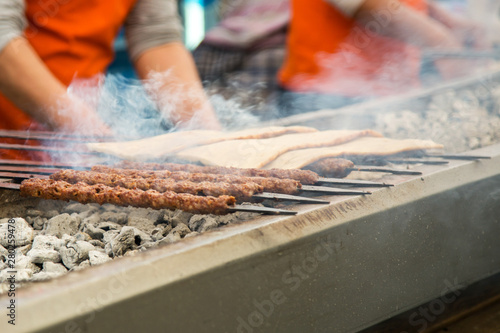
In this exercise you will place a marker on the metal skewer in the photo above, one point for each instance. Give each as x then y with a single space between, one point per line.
351 182
262 196
237 208
9 186
36 164
386 170
460 157
51 136
71 150
261 210
287 197
417 161
330 190
13 175
29 170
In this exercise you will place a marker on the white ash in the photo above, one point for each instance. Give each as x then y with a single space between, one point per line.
98 257
40 256
23 233
50 267
62 224
460 120
75 253
54 237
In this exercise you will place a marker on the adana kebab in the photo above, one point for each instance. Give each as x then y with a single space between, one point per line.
269 184
83 193
305 177
240 191
331 167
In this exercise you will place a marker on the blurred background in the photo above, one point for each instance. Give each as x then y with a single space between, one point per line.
199 16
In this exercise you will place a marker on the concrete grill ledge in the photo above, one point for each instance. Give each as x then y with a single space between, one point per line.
335 268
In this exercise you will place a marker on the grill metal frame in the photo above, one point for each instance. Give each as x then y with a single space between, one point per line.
369 258
376 256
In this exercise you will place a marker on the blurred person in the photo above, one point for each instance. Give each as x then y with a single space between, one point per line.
341 52
240 57
46 44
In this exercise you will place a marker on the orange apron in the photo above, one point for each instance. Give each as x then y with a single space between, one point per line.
329 53
74 38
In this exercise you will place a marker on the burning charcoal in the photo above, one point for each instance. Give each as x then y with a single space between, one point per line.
160 231
110 235
147 245
51 213
109 208
29 220
24 262
84 264
50 270
78 208
172 237
122 243
209 224
62 224
50 267
23 233
202 223
166 216
131 253
47 242
181 217
143 218
93 232
22 275
227 219
34 212
120 218
23 250
3 253
139 236
97 243
86 214
106 226
75 253
244 216
92 219
38 256
39 222
81 236
182 229
44 276
97 258
66 239
156 234
194 233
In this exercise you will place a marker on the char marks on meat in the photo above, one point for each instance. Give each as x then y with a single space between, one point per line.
269 184
160 184
305 177
331 167
84 193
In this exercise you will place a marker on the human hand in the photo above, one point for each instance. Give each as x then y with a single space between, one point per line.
471 34
75 116
204 118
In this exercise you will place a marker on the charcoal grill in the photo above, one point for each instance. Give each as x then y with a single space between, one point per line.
340 267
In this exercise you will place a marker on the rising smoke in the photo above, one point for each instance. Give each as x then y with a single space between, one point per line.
128 105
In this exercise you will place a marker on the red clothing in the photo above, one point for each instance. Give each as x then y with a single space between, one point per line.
73 38
330 53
